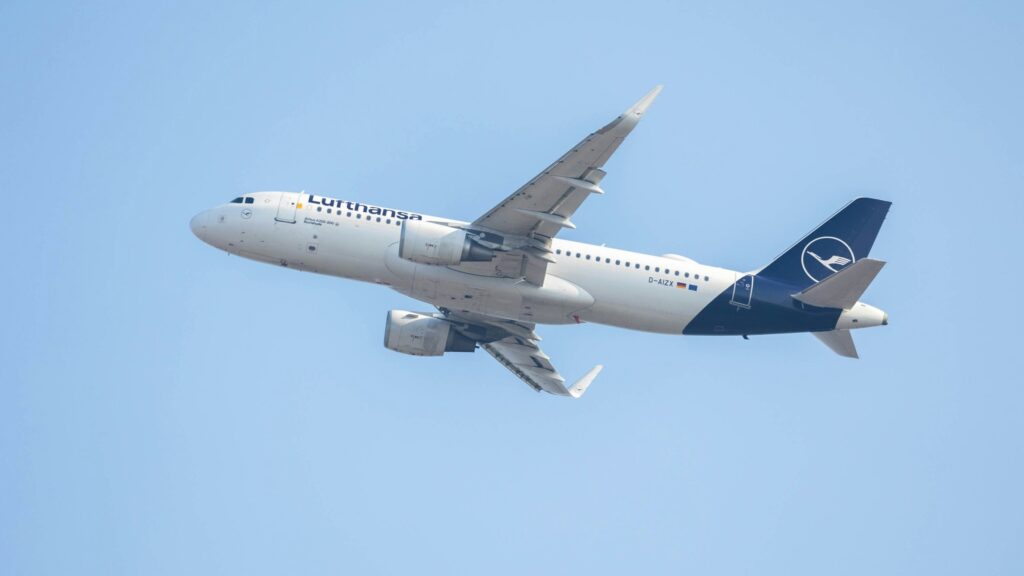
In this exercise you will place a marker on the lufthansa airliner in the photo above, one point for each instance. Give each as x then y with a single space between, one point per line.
491 281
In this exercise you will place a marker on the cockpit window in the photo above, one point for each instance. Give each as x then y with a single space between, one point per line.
237 200
249 200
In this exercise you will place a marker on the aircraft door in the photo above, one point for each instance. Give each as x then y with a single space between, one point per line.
286 207
743 292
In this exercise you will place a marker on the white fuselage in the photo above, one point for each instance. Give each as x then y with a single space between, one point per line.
586 283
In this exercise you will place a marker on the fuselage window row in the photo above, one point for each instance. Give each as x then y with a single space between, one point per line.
647 267
657 269
330 211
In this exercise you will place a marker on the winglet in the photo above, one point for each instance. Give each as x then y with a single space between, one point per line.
577 389
625 123
641 106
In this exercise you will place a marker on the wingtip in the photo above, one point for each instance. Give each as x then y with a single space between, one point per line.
583 383
641 106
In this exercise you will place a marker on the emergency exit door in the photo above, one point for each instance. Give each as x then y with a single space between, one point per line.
743 292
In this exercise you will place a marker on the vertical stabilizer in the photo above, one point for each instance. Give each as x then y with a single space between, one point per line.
839 242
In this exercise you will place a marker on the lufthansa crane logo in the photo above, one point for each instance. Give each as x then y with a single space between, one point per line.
825 256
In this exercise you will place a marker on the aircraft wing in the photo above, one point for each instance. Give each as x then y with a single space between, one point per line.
544 205
516 347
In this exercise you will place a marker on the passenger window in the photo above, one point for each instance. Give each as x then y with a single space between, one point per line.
329 211
577 254
677 272
607 260
319 208
559 251
637 265
658 269
687 275
618 262
647 267
706 278
359 216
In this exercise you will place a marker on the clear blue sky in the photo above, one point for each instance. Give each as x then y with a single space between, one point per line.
169 409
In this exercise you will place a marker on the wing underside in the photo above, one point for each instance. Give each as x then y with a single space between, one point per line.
527 361
516 347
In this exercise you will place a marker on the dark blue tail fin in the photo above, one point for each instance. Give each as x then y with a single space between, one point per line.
842 240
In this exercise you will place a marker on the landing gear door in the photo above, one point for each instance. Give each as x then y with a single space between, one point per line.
743 292
286 207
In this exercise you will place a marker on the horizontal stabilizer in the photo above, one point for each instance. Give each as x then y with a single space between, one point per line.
839 341
844 288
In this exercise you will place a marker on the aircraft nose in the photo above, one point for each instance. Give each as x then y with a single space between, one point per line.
198 225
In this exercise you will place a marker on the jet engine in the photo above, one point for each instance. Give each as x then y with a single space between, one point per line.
423 335
439 245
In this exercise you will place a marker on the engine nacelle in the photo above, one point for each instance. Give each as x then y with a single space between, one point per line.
423 335
439 245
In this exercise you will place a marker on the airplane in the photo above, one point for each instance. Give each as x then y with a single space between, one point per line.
493 280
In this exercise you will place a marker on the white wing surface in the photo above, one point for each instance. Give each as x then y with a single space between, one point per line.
540 208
